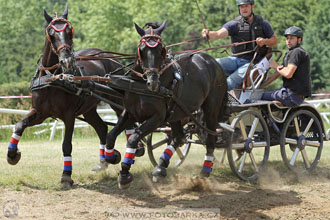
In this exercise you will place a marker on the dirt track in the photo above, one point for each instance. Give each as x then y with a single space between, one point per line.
271 198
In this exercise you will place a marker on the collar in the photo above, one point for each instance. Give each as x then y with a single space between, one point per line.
298 45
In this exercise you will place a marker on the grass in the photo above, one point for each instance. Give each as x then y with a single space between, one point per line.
41 164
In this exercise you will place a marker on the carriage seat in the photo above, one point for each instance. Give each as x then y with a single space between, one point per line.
256 76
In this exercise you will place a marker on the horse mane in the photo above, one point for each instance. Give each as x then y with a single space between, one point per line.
153 25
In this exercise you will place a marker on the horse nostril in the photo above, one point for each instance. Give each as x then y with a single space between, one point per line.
62 62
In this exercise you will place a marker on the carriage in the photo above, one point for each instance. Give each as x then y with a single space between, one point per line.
250 132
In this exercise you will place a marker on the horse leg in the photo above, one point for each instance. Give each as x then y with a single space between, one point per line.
210 120
111 155
124 176
101 129
140 149
164 160
32 118
66 179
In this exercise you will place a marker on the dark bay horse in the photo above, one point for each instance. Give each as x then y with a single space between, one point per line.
64 101
194 81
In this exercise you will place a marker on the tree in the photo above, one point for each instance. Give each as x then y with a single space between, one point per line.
316 42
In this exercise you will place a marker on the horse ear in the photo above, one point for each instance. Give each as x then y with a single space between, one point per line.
139 30
65 14
47 16
161 28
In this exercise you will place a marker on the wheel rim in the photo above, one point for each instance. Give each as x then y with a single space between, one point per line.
157 143
249 149
301 141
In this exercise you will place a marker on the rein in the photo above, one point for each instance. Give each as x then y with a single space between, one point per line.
159 41
214 48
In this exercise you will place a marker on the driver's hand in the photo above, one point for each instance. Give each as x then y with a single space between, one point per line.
205 33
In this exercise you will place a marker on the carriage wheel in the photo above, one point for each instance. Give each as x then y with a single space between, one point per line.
157 143
301 141
250 142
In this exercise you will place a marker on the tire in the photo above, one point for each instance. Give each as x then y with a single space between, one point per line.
301 141
250 139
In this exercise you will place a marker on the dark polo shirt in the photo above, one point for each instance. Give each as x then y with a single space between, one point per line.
300 83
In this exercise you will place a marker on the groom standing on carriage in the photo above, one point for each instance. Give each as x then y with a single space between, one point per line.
244 28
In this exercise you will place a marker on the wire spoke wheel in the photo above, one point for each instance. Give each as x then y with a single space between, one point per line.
158 141
250 144
301 141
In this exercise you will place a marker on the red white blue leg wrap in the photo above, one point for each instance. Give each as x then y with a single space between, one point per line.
168 152
109 153
102 147
68 163
208 163
129 156
14 141
129 133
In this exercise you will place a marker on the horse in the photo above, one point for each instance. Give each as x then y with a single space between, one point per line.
177 88
65 100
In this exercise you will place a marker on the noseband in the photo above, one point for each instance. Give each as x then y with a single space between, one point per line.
144 39
51 25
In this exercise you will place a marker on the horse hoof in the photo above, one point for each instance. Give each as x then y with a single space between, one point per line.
14 160
123 186
124 180
204 174
116 159
140 150
159 171
66 181
157 179
103 165
66 186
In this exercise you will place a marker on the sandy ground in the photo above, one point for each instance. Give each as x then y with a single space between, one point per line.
179 197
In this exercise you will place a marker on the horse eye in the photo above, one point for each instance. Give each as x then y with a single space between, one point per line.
142 46
51 31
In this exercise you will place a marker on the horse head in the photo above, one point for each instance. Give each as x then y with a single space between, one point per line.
151 54
59 33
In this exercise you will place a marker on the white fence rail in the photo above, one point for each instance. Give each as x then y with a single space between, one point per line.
109 115
106 115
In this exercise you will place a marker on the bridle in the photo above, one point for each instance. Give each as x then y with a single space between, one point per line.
158 41
62 46
51 26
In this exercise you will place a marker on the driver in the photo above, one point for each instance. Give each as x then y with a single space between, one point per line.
245 27
295 72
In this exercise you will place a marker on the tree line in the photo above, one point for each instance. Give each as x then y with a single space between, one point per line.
108 24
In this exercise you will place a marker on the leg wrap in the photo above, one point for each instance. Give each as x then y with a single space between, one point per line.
102 147
128 160
164 159
13 142
109 154
129 156
168 152
129 133
208 163
67 164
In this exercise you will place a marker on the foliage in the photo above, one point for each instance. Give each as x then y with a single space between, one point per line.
108 24
316 42
21 88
